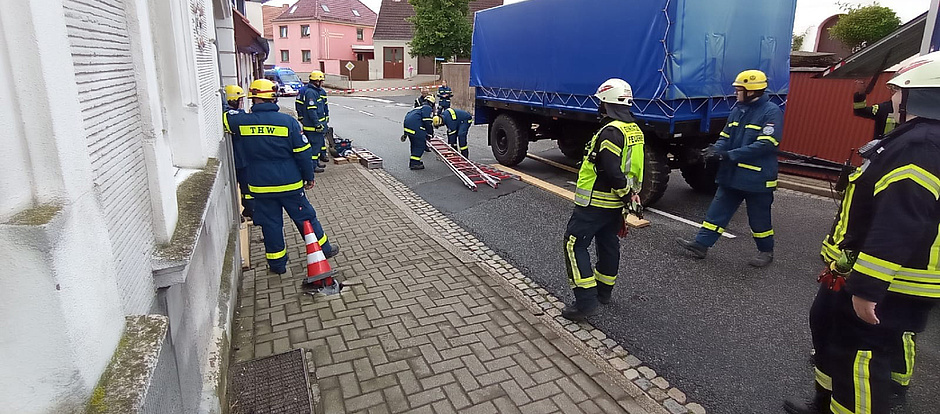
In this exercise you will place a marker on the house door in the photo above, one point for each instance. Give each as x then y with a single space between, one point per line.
394 63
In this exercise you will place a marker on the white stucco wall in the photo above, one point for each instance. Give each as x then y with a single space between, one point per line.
16 181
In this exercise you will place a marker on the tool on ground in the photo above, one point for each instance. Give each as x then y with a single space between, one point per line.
468 171
319 274
367 158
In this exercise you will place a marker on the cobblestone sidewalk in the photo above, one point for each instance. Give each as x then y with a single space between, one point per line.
418 329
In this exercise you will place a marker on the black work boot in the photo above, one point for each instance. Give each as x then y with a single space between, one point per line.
603 293
585 304
818 404
318 169
321 164
697 250
416 166
334 250
762 259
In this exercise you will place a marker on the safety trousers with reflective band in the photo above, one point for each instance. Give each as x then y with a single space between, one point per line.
419 143
317 141
859 362
269 214
600 225
725 204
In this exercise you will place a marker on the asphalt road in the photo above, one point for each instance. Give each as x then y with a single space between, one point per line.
733 338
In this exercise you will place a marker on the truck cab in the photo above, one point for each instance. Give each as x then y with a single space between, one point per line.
287 81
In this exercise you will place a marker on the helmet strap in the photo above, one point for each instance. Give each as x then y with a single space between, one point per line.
902 110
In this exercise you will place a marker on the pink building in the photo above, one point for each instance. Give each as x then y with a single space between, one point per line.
323 35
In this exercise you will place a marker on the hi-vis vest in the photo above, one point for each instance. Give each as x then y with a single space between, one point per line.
589 191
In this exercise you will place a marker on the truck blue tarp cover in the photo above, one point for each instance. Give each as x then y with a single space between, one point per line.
674 53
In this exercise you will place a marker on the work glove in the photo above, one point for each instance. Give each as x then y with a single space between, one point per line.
831 278
712 154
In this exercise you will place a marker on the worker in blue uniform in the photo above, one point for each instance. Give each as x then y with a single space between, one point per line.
279 169
746 153
880 112
233 102
444 93
323 110
458 123
884 283
418 126
307 105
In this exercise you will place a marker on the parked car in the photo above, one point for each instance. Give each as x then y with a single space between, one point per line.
287 81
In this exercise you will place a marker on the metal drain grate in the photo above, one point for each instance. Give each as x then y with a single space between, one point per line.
275 384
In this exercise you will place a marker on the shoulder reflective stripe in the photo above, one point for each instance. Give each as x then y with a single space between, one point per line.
768 138
225 122
322 119
861 376
453 114
752 126
874 109
771 184
859 105
302 149
256 130
300 101
427 119
607 280
267 189
749 166
763 234
823 380
276 255
914 173
724 134
733 124
877 268
410 131
709 226
609 146
904 378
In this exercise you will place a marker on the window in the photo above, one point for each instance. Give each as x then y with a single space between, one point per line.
305 56
305 30
283 30
359 34
359 56
326 9
356 13
285 56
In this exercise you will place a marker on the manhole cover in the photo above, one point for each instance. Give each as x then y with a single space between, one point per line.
274 384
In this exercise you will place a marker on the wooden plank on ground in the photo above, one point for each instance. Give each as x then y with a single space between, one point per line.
244 237
553 163
632 220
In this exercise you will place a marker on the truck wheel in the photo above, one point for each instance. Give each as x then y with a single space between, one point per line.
701 177
572 149
655 175
508 139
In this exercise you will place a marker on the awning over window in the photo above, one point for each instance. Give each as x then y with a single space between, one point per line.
247 39
884 53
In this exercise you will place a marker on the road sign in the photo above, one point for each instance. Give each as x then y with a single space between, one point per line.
350 66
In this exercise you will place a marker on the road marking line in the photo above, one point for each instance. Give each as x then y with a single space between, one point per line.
366 113
367 98
349 108
684 220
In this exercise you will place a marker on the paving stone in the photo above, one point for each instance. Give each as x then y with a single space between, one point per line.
677 395
695 408
661 383
647 372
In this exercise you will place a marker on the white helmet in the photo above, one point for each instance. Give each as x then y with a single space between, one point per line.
615 91
923 72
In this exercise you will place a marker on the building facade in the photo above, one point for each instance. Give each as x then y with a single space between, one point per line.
319 34
112 106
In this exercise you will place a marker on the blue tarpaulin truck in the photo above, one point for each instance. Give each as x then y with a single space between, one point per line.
536 65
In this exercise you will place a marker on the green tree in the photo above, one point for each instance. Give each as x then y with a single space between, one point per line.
797 41
862 25
441 28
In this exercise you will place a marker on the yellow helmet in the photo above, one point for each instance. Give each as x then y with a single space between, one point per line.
752 80
430 99
234 92
436 121
262 88
317 75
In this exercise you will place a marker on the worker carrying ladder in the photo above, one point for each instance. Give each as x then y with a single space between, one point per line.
470 172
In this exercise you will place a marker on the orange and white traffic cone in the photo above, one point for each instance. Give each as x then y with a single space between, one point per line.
319 273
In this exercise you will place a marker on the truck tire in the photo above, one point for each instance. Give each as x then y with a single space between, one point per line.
655 175
701 177
573 150
509 140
